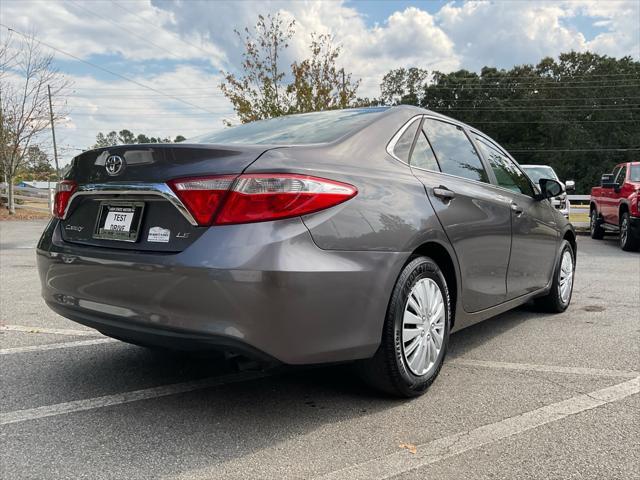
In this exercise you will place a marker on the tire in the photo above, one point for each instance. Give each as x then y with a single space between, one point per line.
628 241
558 298
597 232
397 367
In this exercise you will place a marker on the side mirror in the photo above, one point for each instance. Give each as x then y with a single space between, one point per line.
607 181
550 188
570 186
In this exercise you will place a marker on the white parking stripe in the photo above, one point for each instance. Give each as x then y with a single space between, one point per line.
543 368
452 445
126 397
55 346
53 331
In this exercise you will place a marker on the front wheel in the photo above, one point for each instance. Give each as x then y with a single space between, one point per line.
597 232
559 297
627 241
415 333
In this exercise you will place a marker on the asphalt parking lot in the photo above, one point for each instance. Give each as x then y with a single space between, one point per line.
524 395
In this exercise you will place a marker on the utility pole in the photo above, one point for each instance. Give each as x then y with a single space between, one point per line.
344 95
53 133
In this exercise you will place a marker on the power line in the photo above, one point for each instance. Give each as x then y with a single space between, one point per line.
617 149
552 108
160 29
555 121
107 70
545 87
143 38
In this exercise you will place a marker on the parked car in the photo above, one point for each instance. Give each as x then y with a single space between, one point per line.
561 202
614 205
361 235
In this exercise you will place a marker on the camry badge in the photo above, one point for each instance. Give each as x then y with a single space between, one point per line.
114 165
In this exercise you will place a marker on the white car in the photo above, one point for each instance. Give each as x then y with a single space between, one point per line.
561 202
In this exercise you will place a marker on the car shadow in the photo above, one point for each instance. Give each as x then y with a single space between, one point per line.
217 426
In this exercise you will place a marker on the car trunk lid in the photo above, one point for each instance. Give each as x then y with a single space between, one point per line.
123 201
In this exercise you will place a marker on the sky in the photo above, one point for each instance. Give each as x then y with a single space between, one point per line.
179 48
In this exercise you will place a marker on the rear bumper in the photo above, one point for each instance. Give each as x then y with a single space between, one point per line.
263 288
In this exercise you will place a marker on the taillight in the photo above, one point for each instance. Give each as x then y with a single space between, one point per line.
258 197
64 190
202 196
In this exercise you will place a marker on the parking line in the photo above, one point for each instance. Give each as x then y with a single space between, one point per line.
53 331
401 462
55 346
544 368
126 397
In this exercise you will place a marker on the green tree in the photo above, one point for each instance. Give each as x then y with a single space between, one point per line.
577 113
318 84
127 137
259 92
263 89
404 86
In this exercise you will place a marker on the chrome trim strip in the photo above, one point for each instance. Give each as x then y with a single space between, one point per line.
137 188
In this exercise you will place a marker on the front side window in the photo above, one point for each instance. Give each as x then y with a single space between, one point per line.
634 173
423 156
402 148
507 174
454 150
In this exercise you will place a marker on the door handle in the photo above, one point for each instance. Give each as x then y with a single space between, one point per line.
518 210
443 193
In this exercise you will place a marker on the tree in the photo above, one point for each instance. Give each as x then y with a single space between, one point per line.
318 84
259 92
577 113
264 90
24 104
127 137
404 86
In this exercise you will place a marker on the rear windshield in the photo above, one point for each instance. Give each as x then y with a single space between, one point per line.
634 173
301 129
536 173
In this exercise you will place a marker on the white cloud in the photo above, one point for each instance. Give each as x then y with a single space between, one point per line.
135 30
101 106
504 34
163 44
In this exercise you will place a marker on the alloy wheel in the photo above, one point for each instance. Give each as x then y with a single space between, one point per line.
624 230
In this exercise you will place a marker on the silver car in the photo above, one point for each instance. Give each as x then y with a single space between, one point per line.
363 235
561 202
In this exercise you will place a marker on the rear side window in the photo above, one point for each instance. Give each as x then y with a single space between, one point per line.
622 175
454 150
402 148
507 174
423 156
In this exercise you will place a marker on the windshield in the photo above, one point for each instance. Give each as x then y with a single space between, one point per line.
536 173
634 173
301 129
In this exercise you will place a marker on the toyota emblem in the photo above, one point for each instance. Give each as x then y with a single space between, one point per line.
114 165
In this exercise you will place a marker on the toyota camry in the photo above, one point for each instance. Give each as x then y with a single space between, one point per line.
360 235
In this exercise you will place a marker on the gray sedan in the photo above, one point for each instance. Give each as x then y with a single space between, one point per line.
362 235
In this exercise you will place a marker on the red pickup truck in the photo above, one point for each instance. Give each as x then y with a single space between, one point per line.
614 205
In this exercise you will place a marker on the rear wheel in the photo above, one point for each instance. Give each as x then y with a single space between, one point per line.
559 297
627 240
415 333
597 232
